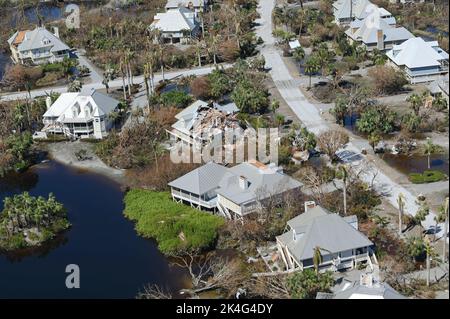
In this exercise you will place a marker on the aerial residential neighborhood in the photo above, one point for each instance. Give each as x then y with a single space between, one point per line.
224 149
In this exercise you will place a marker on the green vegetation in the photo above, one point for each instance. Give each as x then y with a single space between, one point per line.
428 176
30 221
19 119
306 284
176 227
377 119
175 98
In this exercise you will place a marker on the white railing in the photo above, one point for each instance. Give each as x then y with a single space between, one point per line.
194 199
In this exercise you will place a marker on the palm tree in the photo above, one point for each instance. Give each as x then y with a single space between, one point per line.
318 258
299 55
213 46
401 208
199 46
122 72
444 250
311 67
344 171
416 102
429 254
429 149
439 102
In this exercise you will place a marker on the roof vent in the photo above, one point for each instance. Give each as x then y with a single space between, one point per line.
309 205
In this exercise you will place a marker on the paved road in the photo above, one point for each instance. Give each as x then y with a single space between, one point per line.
309 113
113 84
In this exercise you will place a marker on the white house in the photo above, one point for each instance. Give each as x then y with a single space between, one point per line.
420 60
80 115
201 121
376 32
233 192
176 25
346 11
193 5
366 288
342 245
37 47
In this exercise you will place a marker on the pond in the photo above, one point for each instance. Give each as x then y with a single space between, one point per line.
114 261
417 163
5 60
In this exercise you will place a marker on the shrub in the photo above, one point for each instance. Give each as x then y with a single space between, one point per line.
306 284
158 217
175 98
200 88
427 177
387 80
48 79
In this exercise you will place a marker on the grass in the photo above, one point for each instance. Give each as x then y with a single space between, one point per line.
158 216
427 177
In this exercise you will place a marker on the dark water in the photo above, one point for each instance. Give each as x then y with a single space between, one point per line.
417 163
4 62
114 262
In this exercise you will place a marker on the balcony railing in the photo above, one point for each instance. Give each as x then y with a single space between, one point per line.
194 199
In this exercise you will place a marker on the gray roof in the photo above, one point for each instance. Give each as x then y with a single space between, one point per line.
318 227
229 108
367 32
377 290
105 103
202 179
343 8
185 3
261 184
34 40
226 182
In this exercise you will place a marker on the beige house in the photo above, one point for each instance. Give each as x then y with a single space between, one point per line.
38 46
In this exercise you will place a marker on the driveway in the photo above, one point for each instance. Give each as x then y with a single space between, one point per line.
309 114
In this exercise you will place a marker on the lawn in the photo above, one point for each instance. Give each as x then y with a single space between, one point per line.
176 227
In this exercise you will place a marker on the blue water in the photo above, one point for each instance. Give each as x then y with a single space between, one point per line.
114 262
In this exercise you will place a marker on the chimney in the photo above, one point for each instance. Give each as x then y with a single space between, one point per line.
243 182
56 32
366 280
380 40
48 102
309 205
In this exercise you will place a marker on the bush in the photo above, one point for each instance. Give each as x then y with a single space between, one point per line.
48 79
427 177
306 284
158 217
175 98
387 80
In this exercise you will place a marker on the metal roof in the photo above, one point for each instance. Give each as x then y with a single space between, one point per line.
318 228
417 53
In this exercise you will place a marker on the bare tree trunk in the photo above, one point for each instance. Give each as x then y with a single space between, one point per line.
345 197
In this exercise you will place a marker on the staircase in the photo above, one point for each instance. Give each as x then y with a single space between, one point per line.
223 210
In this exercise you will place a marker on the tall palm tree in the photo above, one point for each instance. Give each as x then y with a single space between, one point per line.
416 102
299 55
444 250
401 208
311 67
344 171
318 258
429 149
429 254
213 42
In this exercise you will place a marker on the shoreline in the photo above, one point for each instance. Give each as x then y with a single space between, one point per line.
63 152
